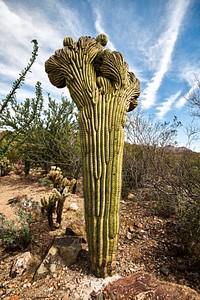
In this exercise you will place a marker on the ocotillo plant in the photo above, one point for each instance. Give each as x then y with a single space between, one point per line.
104 90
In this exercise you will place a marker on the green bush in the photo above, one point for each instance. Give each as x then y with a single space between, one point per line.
12 234
165 204
5 167
188 226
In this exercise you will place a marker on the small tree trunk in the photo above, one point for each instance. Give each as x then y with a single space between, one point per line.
27 167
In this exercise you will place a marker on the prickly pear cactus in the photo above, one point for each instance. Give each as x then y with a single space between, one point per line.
104 90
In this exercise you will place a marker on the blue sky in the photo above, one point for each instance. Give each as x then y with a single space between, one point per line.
160 41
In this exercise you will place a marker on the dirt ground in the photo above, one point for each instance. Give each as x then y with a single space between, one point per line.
14 186
147 242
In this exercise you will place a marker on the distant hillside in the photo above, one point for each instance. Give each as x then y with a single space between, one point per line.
173 149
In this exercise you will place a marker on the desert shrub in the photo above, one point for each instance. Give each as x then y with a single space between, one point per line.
164 205
177 193
133 168
18 167
17 235
188 226
55 139
5 166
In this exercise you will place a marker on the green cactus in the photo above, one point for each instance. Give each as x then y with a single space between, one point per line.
55 176
48 206
56 201
68 183
60 198
104 90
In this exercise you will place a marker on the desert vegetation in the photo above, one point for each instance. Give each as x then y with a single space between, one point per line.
155 169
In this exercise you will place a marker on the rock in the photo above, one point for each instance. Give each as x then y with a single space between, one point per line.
20 264
77 229
129 236
94 296
131 228
165 271
192 276
64 250
65 297
68 248
143 286
138 224
14 298
73 206
182 267
130 196
70 253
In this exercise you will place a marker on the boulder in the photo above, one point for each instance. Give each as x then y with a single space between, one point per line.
20 264
73 206
77 229
63 252
143 286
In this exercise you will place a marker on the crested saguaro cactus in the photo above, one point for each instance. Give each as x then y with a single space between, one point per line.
104 90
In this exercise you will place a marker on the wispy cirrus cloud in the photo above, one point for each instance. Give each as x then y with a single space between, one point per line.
164 49
181 102
190 74
18 27
99 26
165 106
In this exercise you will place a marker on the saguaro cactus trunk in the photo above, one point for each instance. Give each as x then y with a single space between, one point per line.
104 90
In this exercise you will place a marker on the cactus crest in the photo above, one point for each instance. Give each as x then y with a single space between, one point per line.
103 89
68 41
102 39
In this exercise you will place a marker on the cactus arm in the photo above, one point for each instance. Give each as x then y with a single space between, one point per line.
49 205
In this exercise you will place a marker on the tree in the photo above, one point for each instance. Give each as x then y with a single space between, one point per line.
144 153
193 98
16 118
142 129
193 128
55 139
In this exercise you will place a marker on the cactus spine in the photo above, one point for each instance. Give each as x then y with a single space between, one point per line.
104 90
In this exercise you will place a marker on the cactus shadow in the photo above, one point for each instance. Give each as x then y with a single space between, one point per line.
82 264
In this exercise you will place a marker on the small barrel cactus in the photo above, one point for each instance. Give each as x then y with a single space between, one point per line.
104 90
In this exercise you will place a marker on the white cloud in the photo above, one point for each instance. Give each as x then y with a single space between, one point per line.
189 73
181 102
166 105
100 28
164 50
18 27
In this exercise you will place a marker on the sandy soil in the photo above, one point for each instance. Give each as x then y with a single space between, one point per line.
13 186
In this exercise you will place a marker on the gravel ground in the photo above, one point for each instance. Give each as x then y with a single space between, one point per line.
146 243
